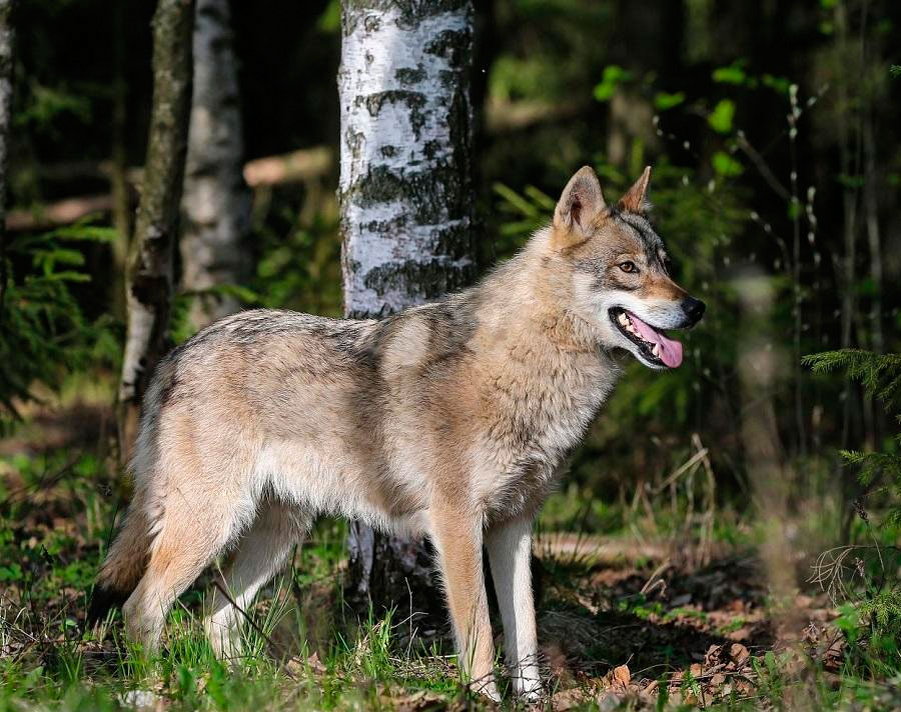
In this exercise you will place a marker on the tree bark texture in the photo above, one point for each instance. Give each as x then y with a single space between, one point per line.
216 202
149 279
406 198
7 40
406 143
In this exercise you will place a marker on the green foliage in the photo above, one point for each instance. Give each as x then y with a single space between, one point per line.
180 326
736 75
549 64
45 104
733 74
720 119
725 165
613 76
513 78
879 472
524 213
880 375
300 268
664 100
330 20
45 332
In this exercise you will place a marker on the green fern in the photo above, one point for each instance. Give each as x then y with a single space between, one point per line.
880 374
45 332
879 472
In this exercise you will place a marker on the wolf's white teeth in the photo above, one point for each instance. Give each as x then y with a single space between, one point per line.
623 319
656 350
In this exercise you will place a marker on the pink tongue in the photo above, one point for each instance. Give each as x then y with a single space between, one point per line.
670 351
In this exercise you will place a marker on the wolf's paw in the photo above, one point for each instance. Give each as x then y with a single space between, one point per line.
487 688
529 689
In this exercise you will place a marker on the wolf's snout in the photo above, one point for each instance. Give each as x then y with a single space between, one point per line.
694 310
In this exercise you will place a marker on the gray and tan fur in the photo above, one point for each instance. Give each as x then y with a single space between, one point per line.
451 419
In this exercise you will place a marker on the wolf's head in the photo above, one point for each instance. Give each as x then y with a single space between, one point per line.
619 268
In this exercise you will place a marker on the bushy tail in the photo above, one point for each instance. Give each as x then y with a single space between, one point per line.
124 564
126 560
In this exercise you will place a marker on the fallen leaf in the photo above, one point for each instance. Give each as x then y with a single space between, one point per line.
622 675
739 653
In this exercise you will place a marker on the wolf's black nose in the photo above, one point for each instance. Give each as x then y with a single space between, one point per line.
694 309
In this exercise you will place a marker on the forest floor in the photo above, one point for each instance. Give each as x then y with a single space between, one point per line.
626 620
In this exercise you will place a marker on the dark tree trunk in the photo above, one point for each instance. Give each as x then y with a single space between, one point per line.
119 186
7 39
406 208
149 279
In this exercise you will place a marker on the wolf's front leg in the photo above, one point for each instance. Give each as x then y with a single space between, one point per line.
457 536
509 551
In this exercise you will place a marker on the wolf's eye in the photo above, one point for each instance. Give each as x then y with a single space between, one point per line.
627 267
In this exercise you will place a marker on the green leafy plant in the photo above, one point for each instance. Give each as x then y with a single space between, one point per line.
45 331
880 375
877 608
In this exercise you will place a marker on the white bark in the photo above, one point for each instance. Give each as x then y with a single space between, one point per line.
406 204
216 202
405 184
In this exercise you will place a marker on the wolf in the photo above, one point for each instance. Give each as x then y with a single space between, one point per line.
450 420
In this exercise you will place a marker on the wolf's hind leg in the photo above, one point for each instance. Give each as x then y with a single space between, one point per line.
194 527
261 553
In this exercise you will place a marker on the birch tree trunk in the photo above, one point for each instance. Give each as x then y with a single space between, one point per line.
216 203
148 279
406 204
7 39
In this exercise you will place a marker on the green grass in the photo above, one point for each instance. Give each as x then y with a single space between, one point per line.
308 652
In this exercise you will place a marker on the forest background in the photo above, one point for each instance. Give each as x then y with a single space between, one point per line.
749 498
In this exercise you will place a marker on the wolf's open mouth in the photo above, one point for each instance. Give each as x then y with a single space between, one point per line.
653 345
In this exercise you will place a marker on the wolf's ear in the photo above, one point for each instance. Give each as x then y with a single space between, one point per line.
580 203
634 199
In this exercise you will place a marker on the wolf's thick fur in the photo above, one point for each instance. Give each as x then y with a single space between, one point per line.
450 419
